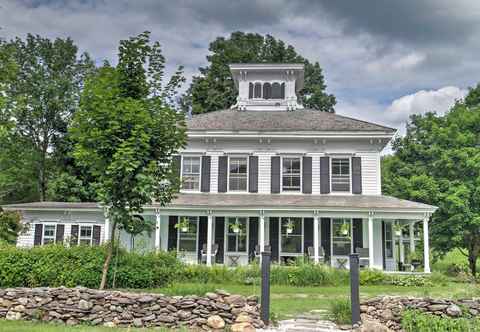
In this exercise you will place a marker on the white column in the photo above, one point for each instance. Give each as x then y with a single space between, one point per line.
426 247
209 240
106 231
316 239
157 230
411 232
370 240
262 232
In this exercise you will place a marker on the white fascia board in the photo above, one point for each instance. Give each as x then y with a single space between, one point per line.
323 134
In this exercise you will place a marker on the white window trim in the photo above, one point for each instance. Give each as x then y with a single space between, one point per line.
294 192
196 237
262 82
349 157
228 173
331 237
392 240
80 232
199 175
49 223
290 254
225 238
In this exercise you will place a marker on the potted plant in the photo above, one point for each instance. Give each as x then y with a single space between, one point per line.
397 228
236 227
290 225
345 229
183 225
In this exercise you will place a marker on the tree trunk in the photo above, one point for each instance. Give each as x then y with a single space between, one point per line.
472 262
42 176
108 258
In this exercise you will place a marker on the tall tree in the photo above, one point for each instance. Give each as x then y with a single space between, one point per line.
126 133
438 162
10 226
214 88
43 97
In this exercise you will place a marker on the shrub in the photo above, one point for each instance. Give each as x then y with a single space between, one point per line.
416 321
410 281
372 277
341 311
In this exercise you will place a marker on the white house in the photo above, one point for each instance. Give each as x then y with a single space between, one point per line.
266 172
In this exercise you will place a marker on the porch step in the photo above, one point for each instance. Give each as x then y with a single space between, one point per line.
304 325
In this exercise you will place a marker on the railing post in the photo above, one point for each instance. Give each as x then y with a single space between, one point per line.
354 288
265 298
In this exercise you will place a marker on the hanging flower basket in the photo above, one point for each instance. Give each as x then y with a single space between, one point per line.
289 226
345 229
183 225
236 228
397 228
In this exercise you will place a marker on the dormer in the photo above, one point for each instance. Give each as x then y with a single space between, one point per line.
268 87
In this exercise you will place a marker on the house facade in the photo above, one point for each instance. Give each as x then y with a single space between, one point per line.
266 174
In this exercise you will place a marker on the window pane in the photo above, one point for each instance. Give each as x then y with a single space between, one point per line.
292 244
188 240
341 236
291 174
258 90
236 241
238 173
232 243
85 231
191 173
341 174
49 230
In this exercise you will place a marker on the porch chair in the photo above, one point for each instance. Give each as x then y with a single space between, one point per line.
203 252
321 254
364 260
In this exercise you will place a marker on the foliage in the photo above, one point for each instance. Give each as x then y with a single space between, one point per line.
372 277
56 265
214 88
473 97
341 311
417 321
410 281
438 163
10 226
126 132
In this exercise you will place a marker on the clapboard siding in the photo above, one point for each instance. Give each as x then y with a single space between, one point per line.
370 173
264 164
214 174
315 175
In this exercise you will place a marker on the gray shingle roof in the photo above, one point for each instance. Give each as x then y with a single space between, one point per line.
300 120
261 201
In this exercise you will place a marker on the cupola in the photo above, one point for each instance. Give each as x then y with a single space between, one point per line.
268 87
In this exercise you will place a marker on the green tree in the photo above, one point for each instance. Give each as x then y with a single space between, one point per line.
438 162
10 226
473 97
214 88
42 99
126 133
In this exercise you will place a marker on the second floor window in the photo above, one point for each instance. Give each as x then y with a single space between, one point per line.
340 174
291 174
191 173
238 174
49 234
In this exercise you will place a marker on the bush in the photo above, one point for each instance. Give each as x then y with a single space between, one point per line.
416 321
372 277
56 265
341 311
410 281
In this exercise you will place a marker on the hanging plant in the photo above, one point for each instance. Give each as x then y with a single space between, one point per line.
236 227
345 229
397 228
290 225
183 224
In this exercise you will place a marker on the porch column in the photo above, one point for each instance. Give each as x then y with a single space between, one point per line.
315 239
370 239
106 231
209 239
262 232
412 239
426 247
157 230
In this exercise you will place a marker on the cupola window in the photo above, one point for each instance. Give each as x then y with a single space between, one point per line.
257 91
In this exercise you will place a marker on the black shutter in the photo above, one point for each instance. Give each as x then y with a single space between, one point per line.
250 90
307 175
177 164
384 259
96 235
275 175
357 234
60 233
253 174
219 238
74 235
205 178
37 237
202 235
274 229
222 174
324 175
172 233
252 236
307 234
356 175
326 233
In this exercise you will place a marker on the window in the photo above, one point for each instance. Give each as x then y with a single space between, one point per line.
85 236
267 91
257 93
388 240
250 90
341 174
291 235
341 237
291 176
49 234
238 174
237 234
277 90
191 173
187 238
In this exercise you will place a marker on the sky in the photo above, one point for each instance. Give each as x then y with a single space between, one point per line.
383 60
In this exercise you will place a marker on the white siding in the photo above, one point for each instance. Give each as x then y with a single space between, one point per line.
26 239
370 173
264 176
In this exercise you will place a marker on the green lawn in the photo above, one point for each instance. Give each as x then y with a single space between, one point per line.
285 301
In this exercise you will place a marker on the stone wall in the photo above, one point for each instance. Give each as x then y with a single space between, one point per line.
388 309
74 306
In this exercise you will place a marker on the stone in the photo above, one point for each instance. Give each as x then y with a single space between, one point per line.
13 315
183 315
216 322
387 314
109 324
22 301
211 296
222 292
243 318
437 307
373 326
146 299
19 308
166 319
137 322
242 327
71 322
85 305
454 310
235 300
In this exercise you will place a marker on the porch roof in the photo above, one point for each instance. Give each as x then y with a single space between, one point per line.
258 201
